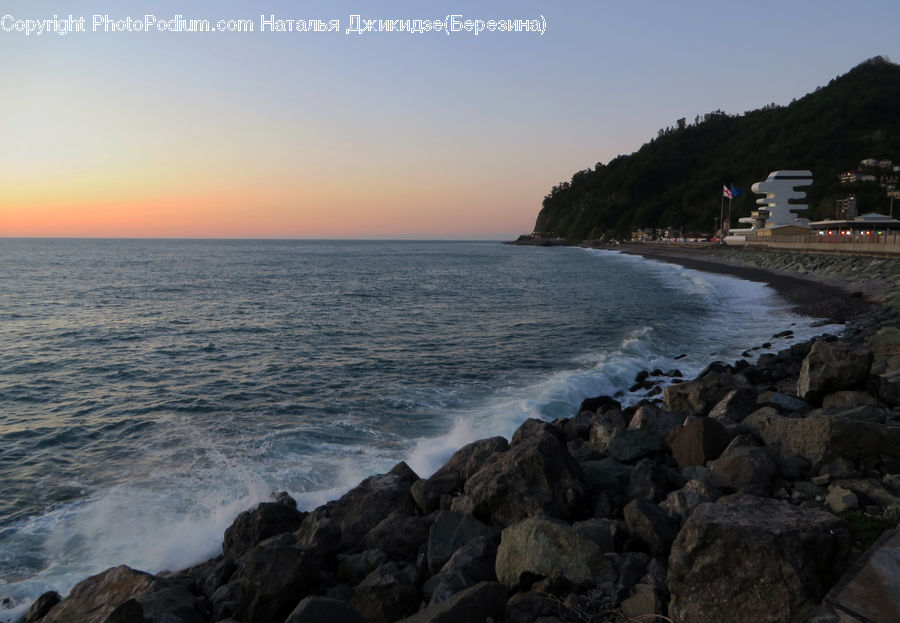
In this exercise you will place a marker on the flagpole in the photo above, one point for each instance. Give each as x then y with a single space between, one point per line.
721 212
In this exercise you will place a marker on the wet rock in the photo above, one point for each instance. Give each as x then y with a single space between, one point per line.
869 491
353 568
450 478
603 428
541 548
254 526
754 559
41 606
363 507
532 607
315 609
536 475
833 366
648 523
96 598
697 442
599 404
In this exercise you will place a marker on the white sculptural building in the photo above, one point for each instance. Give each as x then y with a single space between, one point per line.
780 188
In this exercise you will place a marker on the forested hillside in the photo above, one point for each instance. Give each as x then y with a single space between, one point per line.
675 180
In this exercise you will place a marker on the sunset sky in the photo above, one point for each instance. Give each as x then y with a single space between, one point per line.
396 135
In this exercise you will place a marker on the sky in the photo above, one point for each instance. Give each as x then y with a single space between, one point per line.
380 134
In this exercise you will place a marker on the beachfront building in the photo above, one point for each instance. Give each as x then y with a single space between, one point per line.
865 225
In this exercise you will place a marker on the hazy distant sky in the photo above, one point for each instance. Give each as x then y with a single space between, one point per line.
382 134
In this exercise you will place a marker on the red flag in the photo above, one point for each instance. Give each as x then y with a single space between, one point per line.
726 192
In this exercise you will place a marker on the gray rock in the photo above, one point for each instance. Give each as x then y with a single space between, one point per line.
387 594
537 475
600 531
735 406
697 397
847 399
542 548
450 478
652 418
869 591
603 427
449 532
472 563
484 601
645 600
742 466
631 444
363 507
833 366
754 559
276 575
254 526
781 402
315 609
651 480
648 523
399 536
680 503
353 568
697 442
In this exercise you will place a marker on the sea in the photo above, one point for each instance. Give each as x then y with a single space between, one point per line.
151 390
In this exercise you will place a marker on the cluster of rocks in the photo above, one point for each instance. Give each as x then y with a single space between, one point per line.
726 499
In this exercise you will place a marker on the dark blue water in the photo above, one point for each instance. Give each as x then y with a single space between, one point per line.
150 390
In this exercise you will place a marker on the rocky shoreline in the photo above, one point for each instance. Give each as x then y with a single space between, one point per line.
745 493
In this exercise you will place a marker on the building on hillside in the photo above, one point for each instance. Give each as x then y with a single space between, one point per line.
867 177
849 177
781 195
885 165
845 208
868 163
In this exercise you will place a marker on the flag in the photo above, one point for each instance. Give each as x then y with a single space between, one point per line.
726 192
735 191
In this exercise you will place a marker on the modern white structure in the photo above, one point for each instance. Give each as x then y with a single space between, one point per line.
779 190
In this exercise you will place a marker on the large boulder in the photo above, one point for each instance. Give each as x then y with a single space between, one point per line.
315 609
742 466
122 588
650 525
254 526
735 406
823 437
754 559
366 505
450 478
537 475
536 548
387 594
276 576
41 606
450 531
472 563
484 601
697 442
399 536
697 397
652 418
833 366
680 503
